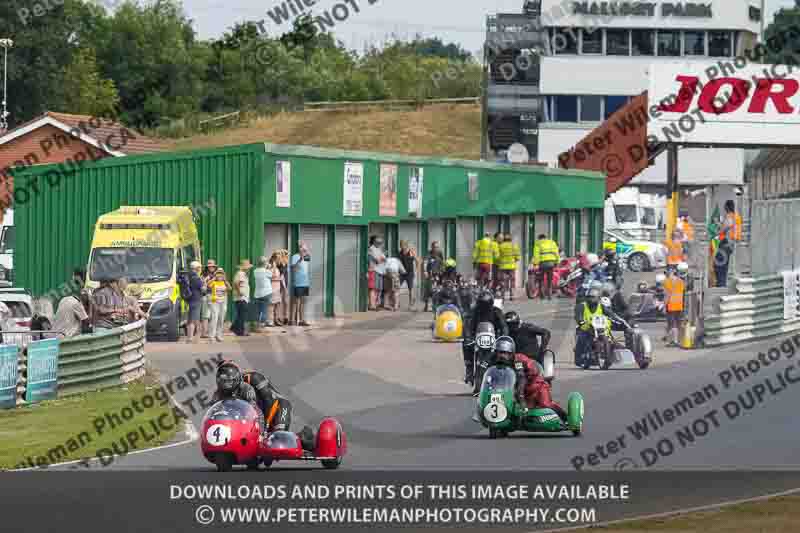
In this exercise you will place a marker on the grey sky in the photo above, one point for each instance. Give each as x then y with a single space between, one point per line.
461 21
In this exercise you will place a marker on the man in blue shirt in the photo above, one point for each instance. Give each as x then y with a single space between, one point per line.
301 281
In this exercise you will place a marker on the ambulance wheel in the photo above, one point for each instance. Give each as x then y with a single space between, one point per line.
173 329
267 462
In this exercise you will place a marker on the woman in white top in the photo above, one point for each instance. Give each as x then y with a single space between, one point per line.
263 292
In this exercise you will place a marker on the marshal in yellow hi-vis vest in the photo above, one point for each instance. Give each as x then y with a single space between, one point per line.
509 256
545 250
483 252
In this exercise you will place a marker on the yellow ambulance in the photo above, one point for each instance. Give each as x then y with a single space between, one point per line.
150 247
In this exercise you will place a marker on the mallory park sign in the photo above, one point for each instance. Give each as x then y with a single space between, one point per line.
642 9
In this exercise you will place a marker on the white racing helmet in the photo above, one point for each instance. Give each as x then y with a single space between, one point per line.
605 301
683 268
592 259
660 279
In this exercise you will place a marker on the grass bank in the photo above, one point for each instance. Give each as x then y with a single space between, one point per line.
96 424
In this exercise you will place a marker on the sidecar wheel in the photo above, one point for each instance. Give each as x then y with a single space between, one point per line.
577 432
493 433
224 462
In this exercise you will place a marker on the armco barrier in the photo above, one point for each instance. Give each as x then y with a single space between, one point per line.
753 311
97 361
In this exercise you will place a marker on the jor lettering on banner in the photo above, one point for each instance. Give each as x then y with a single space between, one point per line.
9 365
353 189
42 371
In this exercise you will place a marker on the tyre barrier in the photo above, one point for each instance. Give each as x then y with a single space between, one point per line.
95 361
754 310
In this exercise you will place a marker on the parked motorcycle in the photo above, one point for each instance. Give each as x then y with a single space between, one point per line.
559 283
647 305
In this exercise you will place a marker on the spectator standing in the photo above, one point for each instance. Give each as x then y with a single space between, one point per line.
131 296
205 310
71 316
391 282
108 306
432 269
674 289
277 281
674 249
483 255
730 234
263 291
545 257
411 264
301 284
508 259
197 288
283 266
218 290
241 292
376 271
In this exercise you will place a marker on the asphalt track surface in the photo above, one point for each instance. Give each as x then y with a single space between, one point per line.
403 405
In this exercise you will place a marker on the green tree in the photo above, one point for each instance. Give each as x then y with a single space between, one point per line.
783 37
84 90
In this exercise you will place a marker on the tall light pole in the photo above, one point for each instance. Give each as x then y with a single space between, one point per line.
5 44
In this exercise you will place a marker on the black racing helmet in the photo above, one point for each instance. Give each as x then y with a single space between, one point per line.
642 286
513 320
229 376
594 295
486 299
610 253
504 349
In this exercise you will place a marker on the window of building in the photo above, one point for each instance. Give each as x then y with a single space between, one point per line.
669 43
617 43
694 43
566 108
591 108
643 42
720 44
592 41
565 41
613 103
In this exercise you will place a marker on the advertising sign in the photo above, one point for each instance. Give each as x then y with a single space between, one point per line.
702 103
8 375
42 370
283 184
353 189
415 182
388 184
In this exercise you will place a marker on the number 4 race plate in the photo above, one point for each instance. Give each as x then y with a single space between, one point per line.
218 435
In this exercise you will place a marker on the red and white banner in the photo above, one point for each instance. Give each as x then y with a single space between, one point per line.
708 103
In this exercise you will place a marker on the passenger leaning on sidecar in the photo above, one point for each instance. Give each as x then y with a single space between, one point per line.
532 389
255 388
584 312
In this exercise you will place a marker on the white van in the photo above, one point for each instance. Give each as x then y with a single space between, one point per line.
7 248
638 214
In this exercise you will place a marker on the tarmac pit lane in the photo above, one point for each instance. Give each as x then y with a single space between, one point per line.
604 451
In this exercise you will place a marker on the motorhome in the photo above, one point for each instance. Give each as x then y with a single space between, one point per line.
150 247
7 248
638 214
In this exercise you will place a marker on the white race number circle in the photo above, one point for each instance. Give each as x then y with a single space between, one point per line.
450 326
495 412
218 435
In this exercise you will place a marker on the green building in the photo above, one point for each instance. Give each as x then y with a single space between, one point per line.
253 199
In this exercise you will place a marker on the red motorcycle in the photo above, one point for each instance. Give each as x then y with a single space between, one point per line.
560 283
233 434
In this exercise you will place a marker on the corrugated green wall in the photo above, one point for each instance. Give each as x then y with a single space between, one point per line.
56 224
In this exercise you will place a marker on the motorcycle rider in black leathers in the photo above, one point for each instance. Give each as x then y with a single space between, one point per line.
620 309
526 337
613 268
255 388
485 311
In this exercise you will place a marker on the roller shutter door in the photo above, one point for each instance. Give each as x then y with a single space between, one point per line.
541 225
465 241
436 232
276 237
346 281
315 237
519 235
585 231
492 225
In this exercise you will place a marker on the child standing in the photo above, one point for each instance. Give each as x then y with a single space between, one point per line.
218 303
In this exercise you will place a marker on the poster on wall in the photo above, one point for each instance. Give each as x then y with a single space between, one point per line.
283 180
472 178
388 184
415 187
353 189
8 375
